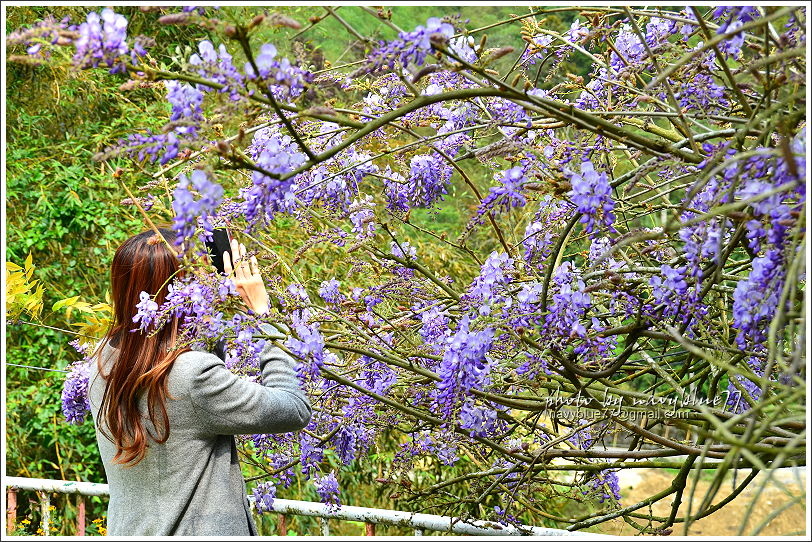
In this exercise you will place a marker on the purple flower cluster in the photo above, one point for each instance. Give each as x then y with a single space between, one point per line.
310 349
216 65
539 234
444 448
658 31
362 217
327 490
185 119
410 47
630 51
505 196
756 298
377 377
537 49
599 256
427 181
196 301
526 312
605 486
494 275
736 403
278 155
310 455
703 239
264 495
736 16
668 289
48 30
284 80
396 190
569 303
186 103
773 216
188 210
405 251
480 420
434 327
532 366
582 438
147 312
354 436
75 401
329 292
338 190
537 243
102 38
701 93
464 365
592 195
163 145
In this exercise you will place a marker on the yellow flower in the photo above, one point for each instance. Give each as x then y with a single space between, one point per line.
52 508
26 521
102 531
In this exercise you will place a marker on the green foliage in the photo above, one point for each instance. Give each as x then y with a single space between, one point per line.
64 211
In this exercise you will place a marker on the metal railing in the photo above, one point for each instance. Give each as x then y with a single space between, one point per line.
370 516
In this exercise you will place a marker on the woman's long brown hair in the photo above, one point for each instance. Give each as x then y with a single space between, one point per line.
143 263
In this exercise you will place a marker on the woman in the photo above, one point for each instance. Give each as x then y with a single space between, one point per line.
165 419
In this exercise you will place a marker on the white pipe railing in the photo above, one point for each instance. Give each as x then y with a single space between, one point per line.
370 516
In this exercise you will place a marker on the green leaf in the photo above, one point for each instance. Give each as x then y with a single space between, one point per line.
65 303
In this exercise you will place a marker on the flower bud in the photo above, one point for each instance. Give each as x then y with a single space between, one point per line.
256 21
128 85
499 53
438 40
277 19
174 18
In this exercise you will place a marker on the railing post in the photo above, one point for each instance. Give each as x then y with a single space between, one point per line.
45 510
283 525
369 529
11 510
418 532
325 528
80 519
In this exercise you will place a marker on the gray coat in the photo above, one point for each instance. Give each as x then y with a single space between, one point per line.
192 484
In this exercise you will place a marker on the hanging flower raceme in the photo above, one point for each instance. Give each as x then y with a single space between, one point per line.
264 495
102 38
327 490
410 47
508 194
75 401
592 195
188 210
464 365
186 103
428 178
756 298
278 155
604 486
285 80
668 289
216 66
486 287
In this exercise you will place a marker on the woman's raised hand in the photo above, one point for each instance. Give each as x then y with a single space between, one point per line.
246 278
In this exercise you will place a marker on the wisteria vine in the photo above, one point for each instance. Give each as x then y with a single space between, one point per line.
638 247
